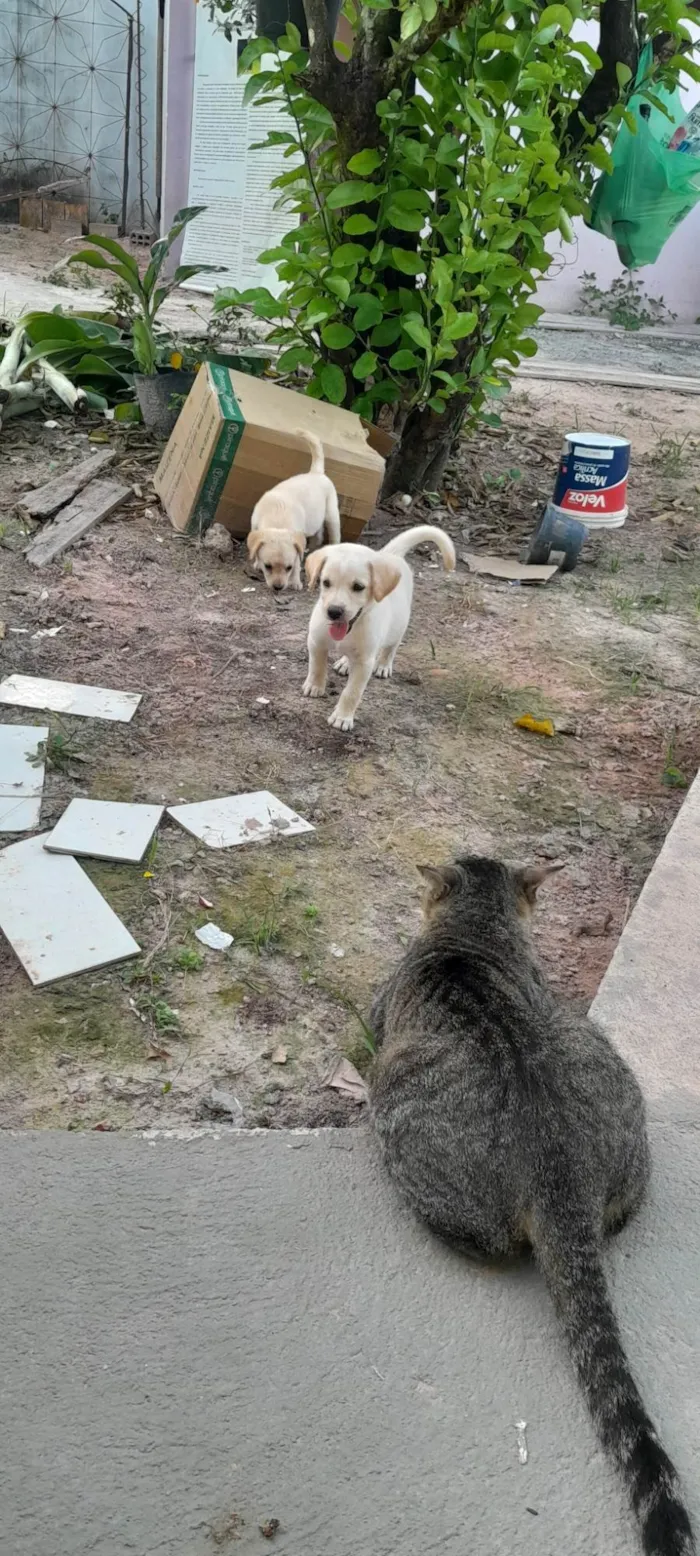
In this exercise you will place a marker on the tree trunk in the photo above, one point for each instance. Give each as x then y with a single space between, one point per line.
427 440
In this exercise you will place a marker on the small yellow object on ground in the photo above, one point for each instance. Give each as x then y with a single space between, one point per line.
535 726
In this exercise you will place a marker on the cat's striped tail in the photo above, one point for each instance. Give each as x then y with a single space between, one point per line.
570 1259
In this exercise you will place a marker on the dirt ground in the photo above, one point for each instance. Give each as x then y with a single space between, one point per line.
435 763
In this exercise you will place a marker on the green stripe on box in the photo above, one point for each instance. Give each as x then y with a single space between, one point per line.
224 453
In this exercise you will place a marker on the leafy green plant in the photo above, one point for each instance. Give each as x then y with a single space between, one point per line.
148 291
623 303
425 175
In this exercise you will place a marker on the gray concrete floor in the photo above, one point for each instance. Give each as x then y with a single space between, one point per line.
200 1335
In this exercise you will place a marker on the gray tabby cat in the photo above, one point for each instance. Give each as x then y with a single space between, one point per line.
510 1123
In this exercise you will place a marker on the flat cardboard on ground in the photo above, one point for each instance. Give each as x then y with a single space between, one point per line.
87 702
54 918
236 437
506 567
21 776
105 829
239 818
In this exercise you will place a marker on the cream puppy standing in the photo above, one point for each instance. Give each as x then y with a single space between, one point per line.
288 516
365 604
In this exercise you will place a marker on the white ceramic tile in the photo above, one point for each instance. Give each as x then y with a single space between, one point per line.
21 776
89 702
240 818
54 918
105 829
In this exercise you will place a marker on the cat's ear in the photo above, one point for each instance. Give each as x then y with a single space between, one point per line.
440 880
530 877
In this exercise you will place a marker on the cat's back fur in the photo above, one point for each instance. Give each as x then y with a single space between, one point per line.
509 1121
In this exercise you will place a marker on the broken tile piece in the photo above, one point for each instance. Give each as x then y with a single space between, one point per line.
56 921
21 776
89 702
239 818
217 939
105 829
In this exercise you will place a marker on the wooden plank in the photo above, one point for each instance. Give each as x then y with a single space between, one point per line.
99 499
47 499
620 377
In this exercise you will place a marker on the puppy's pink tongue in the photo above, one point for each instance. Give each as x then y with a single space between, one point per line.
338 630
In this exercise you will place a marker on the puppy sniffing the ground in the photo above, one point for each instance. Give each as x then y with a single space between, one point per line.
290 515
365 604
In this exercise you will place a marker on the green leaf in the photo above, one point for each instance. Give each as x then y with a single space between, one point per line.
128 411
348 254
368 313
363 406
411 20
339 286
257 84
293 36
411 199
386 333
252 52
294 357
449 149
464 324
437 405
276 255
111 246
404 221
332 380
144 347
365 365
579 46
402 360
413 325
337 336
352 193
355 225
407 262
99 262
319 311
556 16
623 73
365 162
527 347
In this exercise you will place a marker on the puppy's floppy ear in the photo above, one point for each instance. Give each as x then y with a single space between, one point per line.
530 877
440 880
314 563
254 540
385 575
299 542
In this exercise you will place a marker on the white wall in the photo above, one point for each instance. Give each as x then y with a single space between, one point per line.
675 276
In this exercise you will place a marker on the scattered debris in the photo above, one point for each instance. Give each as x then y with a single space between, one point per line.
105 829
239 818
46 500
221 1104
336 950
217 939
535 726
521 1429
567 726
279 1055
228 1528
220 540
56 921
504 567
345 1078
48 632
263 701
87 702
597 927
269 1529
205 903
21 776
94 503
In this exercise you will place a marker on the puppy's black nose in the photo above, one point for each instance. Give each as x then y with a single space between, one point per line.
278 587
335 612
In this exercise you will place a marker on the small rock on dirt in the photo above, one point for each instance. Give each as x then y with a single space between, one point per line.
220 1104
218 539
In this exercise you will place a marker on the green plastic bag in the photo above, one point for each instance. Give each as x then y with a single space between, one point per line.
651 189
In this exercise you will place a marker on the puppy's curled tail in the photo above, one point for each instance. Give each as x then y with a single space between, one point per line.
568 1253
419 536
318 464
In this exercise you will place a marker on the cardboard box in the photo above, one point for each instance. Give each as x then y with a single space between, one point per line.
236 437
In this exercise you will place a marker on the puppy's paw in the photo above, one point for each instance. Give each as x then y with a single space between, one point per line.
297 584
342 666
336 721
384 672
312 689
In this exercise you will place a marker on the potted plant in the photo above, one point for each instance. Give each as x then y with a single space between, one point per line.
160 387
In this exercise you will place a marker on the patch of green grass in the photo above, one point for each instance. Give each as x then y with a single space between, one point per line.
186 959
672 776
311 912
671 454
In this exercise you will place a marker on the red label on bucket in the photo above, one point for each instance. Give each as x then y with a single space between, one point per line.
592 477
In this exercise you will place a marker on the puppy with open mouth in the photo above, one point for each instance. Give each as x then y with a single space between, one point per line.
291 514
365 604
